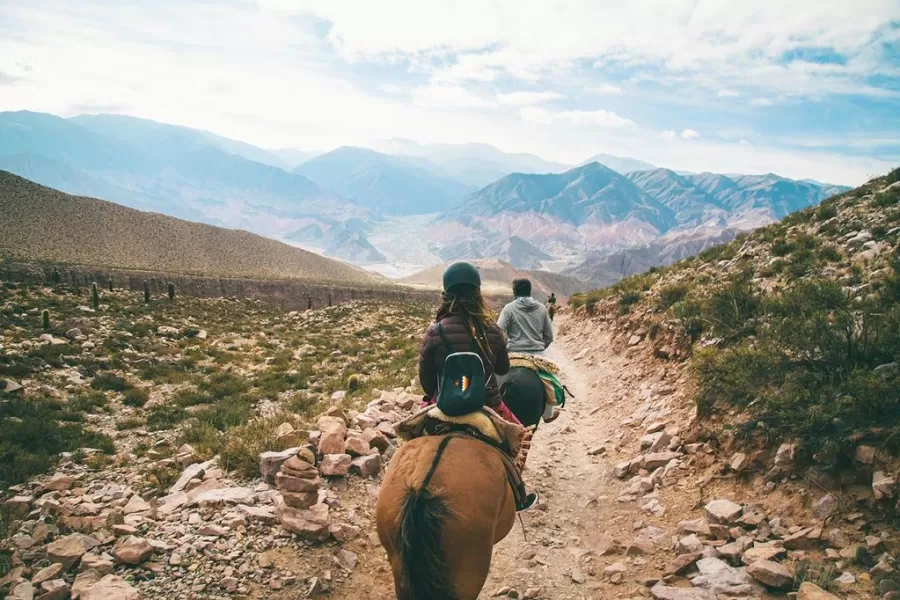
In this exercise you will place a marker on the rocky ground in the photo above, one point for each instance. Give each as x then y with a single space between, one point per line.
251 467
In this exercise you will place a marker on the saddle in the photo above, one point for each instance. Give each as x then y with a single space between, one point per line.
510 440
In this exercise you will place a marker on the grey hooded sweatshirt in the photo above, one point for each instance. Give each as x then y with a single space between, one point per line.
527 325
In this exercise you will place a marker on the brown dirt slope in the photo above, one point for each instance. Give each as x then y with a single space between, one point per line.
39 223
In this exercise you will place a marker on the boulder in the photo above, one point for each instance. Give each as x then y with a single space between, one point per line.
132 550
260 514
376 439
357 446
333 431
656 460
698 526
68 550
720 578
759 553
296 484
335 465
681 563
690 544
93 562
310 525
810 591
826 506
805 539
222 496
48 573
86 579
739 462
270 463
882 485
662 592
366 466
136 504
56 589
300 500
194 471
110 587
723 512
771 574
59 482
22 591
865 455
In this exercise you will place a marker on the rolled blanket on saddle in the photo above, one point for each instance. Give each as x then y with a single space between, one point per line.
554 390
511 438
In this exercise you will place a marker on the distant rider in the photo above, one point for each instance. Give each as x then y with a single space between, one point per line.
551 305
526 323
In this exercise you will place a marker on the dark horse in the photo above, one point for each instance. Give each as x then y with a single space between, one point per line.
523 393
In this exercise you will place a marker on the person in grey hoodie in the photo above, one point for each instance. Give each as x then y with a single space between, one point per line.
525 321
528 329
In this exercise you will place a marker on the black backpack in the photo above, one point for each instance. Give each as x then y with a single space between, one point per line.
463 385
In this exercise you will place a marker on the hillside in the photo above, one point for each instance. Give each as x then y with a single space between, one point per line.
497 277
804 316
391 185
39 223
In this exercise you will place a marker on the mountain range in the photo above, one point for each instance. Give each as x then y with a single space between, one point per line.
393 185
414 204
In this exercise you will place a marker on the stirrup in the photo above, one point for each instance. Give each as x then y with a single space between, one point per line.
528 503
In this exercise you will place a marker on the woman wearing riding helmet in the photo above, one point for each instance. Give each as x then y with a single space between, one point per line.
465 317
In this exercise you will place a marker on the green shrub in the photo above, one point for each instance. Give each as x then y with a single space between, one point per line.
829 253
87 402
826 210
165 417
810 373
33 437
136 397
110 382
672 294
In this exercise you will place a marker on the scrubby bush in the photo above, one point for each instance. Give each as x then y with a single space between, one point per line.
35 431
136 397
811 371
109 381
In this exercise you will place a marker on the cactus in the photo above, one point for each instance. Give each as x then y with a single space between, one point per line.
95 296
45 317
110 284
353 383
146 292
171 292
57 278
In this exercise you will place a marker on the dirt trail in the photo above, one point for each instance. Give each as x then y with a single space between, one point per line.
578 518
578 511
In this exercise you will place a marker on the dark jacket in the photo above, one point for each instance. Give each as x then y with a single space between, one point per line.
434 352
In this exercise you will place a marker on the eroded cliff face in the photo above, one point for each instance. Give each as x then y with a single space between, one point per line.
289 294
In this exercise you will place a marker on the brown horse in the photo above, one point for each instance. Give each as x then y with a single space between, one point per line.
444 503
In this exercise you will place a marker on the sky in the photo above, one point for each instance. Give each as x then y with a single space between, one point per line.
806 89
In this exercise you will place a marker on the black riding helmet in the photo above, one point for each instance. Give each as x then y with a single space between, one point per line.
461 273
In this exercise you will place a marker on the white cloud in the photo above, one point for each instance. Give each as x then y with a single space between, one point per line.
595 118
761 102
743 142
717 41
448 96
522 98
668 134
605 89
690 134
726 93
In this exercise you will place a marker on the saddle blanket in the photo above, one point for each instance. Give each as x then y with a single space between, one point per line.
554 390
